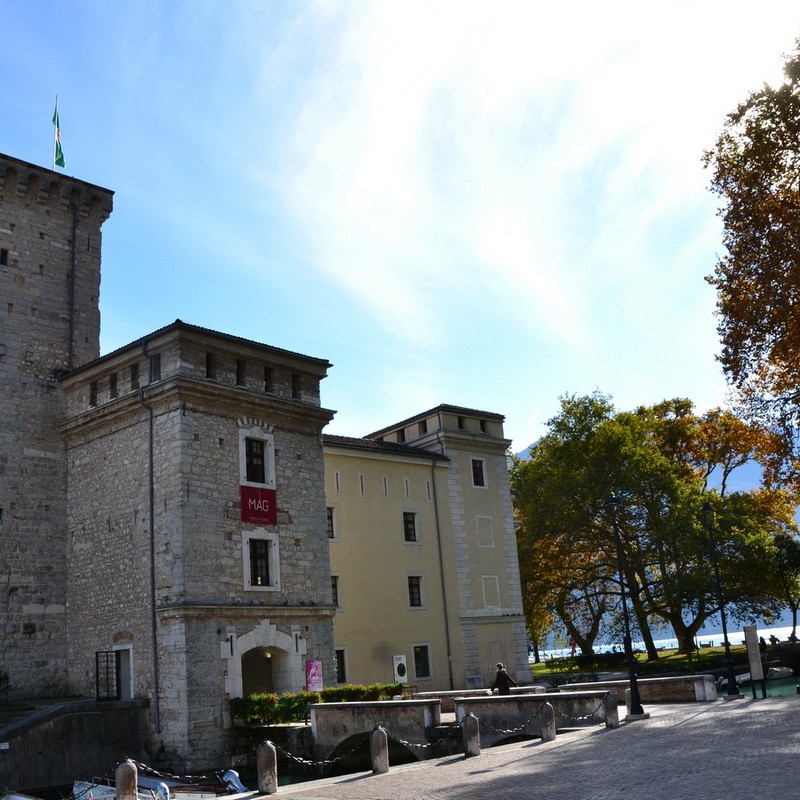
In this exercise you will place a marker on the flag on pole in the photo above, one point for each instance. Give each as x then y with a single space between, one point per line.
58 153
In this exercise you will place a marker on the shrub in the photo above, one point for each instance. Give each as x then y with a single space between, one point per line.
272 709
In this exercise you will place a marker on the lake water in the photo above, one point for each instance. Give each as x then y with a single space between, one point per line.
735 636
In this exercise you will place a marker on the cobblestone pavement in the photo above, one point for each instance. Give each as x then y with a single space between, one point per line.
742 749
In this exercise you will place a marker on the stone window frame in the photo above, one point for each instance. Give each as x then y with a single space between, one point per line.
490 587
269 456
478 474
274 559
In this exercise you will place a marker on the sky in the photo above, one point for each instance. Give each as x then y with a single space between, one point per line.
489 205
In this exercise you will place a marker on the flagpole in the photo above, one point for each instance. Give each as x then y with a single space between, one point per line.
55 137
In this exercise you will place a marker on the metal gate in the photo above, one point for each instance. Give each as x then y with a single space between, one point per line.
107 675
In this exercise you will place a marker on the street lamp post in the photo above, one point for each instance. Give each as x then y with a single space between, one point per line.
708 511
612 504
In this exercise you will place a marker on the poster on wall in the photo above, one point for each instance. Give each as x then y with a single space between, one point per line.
314 676
258 505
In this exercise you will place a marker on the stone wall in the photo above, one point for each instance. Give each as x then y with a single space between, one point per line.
49 282
178 592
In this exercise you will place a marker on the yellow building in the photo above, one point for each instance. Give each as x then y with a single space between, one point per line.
423 553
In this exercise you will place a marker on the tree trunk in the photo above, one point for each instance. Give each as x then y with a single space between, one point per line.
644 625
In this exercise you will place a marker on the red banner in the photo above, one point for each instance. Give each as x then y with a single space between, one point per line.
258 505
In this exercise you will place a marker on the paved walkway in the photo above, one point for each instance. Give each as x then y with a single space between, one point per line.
741 749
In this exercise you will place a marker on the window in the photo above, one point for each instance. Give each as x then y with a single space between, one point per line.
422 427
297 387
401 436
341 668
3 257
410 526
478 476
335 589
155 367
113 391
259 562
241 372
483 426
256 458
331 523
415 591
269 380
134 376
261 565
211 366
93 393
422 661
461 423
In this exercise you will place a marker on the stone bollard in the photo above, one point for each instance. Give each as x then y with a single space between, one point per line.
472 735
267 768
611 709
379 750
547 721
126 780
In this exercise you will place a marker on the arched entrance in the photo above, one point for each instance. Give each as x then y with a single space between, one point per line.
264 657
257 670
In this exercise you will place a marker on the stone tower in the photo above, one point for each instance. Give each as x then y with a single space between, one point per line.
49 283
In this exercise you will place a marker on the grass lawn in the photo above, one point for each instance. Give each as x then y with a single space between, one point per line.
669 661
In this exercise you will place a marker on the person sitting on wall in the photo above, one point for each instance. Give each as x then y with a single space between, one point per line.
502 680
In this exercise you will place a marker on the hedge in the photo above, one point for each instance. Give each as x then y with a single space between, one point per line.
272 709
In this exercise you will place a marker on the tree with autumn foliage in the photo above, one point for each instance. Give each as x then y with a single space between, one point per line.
663 462
755 167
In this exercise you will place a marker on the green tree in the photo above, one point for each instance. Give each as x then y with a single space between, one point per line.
755 167
658 460
787 571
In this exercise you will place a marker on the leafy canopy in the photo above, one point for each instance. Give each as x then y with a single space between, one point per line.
755 167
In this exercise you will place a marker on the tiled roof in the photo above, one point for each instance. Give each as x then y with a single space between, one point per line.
381 447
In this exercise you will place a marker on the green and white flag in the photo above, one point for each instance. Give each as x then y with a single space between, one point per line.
58 153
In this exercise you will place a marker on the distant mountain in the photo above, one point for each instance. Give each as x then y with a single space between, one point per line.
526 453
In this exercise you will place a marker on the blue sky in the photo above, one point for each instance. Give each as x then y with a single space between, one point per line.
482 204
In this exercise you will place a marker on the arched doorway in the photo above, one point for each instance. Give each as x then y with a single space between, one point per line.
264 657
257 671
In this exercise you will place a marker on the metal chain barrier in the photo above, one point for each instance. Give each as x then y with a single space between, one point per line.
182 778
311 763
585 717
512 731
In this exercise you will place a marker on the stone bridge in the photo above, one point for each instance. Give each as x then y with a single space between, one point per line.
503 717
334 724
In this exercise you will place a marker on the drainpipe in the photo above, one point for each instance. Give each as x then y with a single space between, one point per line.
442 576
152 532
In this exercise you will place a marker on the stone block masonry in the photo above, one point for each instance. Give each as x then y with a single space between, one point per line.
49 282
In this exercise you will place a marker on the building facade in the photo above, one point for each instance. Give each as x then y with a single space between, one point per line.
162 508
423 552
175 528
